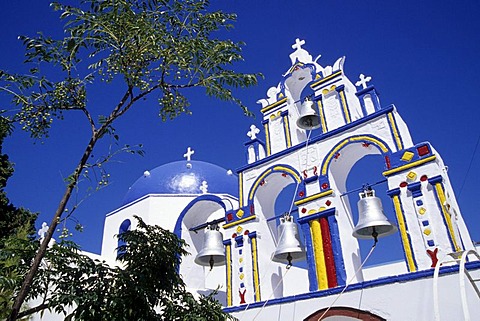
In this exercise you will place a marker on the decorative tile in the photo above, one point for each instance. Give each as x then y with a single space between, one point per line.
407 156
427 231
422 210
411 176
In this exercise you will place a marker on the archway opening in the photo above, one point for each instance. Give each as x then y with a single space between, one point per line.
368 170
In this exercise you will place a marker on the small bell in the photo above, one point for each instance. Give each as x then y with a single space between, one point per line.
213 251
289 247
372 222
308 119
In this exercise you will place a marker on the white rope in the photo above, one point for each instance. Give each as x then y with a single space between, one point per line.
349 282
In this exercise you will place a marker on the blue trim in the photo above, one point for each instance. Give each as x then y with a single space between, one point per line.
312 275
415 188
178 225
311 179
398 132
431 243
318 138
393 192
239 240
435 179
337 250
440 207
412 276
317 215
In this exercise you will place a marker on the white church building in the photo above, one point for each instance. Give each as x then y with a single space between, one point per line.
305 264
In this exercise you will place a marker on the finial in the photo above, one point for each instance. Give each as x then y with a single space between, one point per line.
43 231
298 44
188 154
363 81
252 133
204 187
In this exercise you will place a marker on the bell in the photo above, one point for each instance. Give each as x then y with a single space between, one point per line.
372 222
213 252
308 119
289 247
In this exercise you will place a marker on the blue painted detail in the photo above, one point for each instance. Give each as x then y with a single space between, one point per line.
322 180
435 179
252 235
239 240
178 178
370 90
308 218
311 179
227 242
312 275
419 202
337 250
284 113
124 227
240 252
415 188
202 198
242 285
425 223
407 277
396 158
319 138
393 192
240 269
431 243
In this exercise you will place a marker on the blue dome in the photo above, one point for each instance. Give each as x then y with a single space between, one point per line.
183 177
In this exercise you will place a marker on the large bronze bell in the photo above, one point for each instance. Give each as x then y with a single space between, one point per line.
289 247
213 251
308 119
372 222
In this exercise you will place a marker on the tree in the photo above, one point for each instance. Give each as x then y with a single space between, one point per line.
145 285
153 47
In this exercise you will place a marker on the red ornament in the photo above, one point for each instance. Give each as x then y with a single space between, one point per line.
365 144
284 174
229 217
301 194
234 235
337 155
262 183
433 256
387 162
403 184
328 203
423 150
424 178
324 185
304 210
246 232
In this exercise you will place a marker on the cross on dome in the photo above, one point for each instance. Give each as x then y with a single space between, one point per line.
188 154
363 81
252 133
298 44
204 187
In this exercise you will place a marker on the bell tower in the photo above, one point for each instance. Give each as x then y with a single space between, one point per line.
317 124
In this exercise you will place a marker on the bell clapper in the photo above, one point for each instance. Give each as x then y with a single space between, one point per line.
211 262
289 259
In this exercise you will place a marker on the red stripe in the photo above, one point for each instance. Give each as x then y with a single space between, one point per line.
327 248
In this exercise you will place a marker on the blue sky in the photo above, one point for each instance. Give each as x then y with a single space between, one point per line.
422 57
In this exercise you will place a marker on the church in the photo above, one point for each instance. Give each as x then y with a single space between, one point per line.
304 264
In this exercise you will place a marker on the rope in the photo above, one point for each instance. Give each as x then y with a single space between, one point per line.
469 167
349 282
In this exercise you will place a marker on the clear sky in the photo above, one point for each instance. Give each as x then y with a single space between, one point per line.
422 57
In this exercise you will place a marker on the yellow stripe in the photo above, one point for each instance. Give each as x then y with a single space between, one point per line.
446 215
275 104
239 221
320 267
395 131
229 274
256 280
345 109
267 138
322 116
403 232
240 187
407 166
287 130
257 182
288 170
321 81
313 197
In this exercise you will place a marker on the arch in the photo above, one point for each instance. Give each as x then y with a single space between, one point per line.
286 169
349 313
125 226
368 139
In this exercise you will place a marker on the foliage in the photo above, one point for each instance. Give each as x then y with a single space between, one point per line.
145 47
145 285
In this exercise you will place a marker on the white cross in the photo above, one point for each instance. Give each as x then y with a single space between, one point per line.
253 132
204 187
189 153
43 230
363 81
298 44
